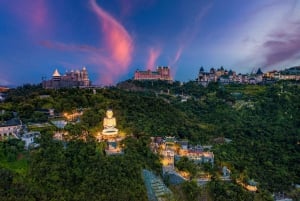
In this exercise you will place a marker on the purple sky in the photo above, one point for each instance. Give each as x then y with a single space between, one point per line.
113 38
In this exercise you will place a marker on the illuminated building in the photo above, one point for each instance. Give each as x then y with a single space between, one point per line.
161 73
78 78
292 73
3 89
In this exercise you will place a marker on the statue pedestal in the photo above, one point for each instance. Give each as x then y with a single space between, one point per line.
109 133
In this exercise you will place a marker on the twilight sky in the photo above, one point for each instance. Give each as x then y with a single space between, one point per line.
113 38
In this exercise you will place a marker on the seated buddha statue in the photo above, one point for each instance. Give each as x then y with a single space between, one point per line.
109 124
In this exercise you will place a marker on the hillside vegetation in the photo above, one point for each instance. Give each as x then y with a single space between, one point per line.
262 123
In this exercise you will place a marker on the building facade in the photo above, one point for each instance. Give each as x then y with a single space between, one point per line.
292 73
223 76
29 139
3 89
161 73
78 78
10 128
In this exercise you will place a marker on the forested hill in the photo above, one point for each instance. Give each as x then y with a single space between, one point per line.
262 122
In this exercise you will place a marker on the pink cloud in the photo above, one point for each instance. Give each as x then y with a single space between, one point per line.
153 55
177 55
118 43
173 62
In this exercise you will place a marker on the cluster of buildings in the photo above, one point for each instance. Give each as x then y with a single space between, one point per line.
170 149
77 78
161 73
224 76
80 78
173 149
292 73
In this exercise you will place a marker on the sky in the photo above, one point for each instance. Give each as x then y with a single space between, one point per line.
113 38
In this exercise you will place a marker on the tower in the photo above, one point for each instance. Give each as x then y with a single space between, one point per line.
85 77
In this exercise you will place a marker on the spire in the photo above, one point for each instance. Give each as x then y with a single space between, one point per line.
259 72
56 73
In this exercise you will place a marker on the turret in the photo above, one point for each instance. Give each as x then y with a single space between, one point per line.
56 75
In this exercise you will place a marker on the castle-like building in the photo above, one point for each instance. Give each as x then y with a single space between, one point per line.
78 78
161 73
225 77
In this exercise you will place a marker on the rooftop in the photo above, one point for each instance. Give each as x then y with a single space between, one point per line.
11 122
31 134
56 73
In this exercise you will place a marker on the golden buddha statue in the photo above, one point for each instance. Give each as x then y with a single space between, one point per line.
109 124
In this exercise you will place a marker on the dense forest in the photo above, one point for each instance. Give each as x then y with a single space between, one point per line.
262 122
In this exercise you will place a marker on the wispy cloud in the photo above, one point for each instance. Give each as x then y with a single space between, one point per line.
129 8
175 60
280 44
188 35
153 55
267 38
67 47
118 43
177 56
283 45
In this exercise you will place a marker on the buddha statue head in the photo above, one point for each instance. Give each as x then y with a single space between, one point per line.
109 114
